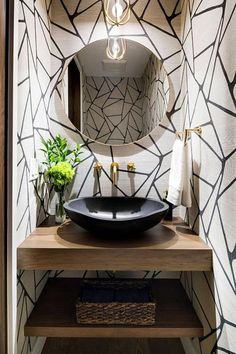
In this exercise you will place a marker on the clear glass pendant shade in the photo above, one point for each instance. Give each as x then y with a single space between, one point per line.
117 11
116 48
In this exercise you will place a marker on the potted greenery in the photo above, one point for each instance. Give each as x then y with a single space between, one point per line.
61 162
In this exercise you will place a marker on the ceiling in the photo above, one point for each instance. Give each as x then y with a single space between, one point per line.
95 62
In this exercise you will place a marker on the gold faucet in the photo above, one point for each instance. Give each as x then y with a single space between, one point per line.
114 167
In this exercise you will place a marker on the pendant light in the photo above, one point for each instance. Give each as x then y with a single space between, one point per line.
117 11
116 48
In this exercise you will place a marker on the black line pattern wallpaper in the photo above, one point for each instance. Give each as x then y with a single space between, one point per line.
34 81
120 110
155 94
113 111
208 90
201 72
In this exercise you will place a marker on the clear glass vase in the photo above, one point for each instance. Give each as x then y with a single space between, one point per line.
60 216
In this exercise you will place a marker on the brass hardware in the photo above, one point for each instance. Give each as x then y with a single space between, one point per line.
97 166
114 167
131 166
186 133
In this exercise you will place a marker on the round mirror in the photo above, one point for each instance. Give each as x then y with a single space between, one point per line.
115 101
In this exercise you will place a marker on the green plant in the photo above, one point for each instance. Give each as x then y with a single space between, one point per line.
60 162
57 150
61 174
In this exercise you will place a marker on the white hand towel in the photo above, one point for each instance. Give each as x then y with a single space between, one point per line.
186 199
179 183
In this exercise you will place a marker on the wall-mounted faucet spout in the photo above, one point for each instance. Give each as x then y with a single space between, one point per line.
114 167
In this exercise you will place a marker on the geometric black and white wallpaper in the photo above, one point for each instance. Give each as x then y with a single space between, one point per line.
113 109
155 94
121 110
208 89
195 41
33 123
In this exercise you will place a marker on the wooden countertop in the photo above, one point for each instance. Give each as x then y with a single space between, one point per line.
170 246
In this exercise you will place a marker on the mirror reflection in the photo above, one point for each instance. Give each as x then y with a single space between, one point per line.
115 101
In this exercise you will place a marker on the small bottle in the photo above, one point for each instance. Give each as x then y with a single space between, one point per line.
169 214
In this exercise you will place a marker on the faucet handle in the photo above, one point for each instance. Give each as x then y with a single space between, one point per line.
97 166
131 166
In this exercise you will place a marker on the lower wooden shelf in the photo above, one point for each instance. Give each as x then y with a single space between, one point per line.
54 314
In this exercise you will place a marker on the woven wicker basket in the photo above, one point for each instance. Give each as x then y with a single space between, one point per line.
140 312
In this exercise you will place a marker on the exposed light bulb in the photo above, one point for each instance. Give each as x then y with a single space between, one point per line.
116 48
117 10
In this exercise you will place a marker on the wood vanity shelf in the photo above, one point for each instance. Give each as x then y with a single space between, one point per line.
54 314
168 247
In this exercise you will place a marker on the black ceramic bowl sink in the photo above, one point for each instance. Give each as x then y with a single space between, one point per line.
119 215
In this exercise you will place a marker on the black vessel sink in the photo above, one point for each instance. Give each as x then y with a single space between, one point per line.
119 215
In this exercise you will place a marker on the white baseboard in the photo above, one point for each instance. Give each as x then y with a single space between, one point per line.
188 345
39 344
